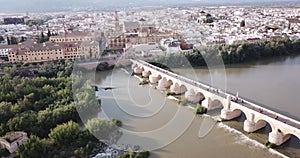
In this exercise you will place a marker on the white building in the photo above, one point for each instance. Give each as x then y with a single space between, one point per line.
4 49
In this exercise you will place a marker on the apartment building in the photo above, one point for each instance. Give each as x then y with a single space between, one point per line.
31 51
72 37
4 49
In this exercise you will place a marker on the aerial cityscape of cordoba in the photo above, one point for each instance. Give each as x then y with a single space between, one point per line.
139 79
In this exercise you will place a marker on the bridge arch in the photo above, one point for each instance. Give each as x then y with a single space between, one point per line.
164 83
194 96
215 104
154 78
264 122
291 135
201 95
146 73
183 88
178 88
170 81
239 111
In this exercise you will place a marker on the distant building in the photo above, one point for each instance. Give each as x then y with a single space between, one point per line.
31 51
254 40
4 49
12 141
76 36
13 21
186 46
136 33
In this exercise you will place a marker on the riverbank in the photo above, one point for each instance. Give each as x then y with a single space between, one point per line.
231 54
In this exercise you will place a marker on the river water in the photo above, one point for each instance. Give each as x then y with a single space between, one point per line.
274 83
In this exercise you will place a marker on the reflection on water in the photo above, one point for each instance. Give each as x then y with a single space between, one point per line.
274 84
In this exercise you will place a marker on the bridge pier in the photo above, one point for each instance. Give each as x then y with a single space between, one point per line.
228 115
146 73
163 84
138 70
206 102
154 78
277 137
251 126
192 96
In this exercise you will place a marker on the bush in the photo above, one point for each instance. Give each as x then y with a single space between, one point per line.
18 65
117 122
170 93
141 154
34 147
144 82
183 102
103 66
65 133
200 110
270 145
26 64
41 63
104 130
4 152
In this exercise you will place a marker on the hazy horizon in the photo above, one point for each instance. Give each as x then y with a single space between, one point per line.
17 6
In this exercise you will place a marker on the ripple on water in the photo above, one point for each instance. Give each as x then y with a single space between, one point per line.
251 143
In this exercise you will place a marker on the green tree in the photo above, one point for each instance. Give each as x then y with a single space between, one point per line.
86 102
104 130
65 134
5 112
242 24
49 118
1 39
23 39
103 66
13 40
33 148
25 121
48 33
43 38
8 40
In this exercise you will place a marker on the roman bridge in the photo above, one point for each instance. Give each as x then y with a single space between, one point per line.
257 117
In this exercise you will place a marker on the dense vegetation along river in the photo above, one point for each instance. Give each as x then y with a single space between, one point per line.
273 83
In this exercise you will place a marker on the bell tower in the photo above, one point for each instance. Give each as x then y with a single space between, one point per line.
117 25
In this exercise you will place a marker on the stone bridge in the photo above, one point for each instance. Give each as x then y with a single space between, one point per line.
232 106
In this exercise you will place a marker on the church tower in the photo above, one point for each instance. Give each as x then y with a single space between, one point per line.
117 25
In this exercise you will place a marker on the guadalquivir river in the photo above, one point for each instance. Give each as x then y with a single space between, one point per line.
273 83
